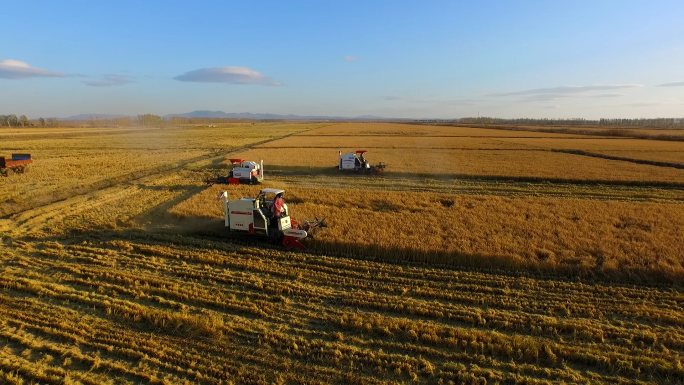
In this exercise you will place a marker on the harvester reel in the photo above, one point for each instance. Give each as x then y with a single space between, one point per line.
312 227
216 180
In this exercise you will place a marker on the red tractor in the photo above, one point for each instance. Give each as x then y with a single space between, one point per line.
19 163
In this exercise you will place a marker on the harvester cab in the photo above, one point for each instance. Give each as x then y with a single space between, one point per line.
355 161
242 172
256 217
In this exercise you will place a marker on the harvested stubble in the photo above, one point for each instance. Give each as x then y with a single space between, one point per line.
140 310
511 164
65 167
482 231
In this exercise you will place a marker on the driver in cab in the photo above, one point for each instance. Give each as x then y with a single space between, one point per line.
278 203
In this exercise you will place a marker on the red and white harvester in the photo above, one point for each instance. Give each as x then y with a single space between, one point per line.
243 172
254 217
354 161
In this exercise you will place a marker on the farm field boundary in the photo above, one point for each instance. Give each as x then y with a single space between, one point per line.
461 136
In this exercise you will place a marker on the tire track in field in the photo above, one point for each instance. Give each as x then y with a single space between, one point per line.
464 136
621 158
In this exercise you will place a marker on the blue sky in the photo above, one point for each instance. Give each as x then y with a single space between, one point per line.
441 59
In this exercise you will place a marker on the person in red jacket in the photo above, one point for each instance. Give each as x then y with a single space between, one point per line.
278 204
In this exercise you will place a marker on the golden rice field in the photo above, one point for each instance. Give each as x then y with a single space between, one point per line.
176 311
500 262
66 166
675 157
459 163
463 152
611 237
592 144
627 132
394 129
650 150
416 143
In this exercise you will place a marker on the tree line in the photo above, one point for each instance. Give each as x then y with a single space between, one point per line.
656 122
156 120
22 121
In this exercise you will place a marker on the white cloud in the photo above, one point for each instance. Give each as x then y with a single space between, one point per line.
556 96
397 97
110 80
670 102
432 100
676 84
14 69
572 90
644 104
351 58
544 97
229 74
613 95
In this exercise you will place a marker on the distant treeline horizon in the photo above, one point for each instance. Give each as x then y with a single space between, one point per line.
156 120
614 122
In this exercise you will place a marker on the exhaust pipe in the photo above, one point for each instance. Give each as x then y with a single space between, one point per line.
339 153
225 209
261 170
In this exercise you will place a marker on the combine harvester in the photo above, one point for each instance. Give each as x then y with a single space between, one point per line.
243 172
19 163
254 217
354 161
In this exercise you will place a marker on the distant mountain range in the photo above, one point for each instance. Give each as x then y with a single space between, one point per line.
231 115
92 116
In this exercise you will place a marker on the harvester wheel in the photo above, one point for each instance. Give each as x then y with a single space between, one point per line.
9 172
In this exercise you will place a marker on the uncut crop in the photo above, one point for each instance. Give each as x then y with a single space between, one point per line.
640 149
416 145
481 231
402 130
455 163
676 134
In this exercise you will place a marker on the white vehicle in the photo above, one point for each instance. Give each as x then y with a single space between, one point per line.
355 161
243 172
254 216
